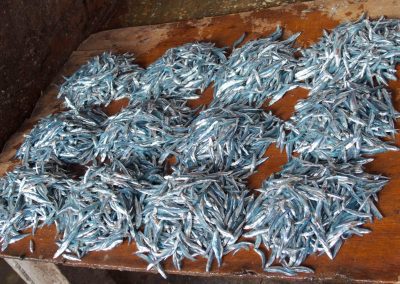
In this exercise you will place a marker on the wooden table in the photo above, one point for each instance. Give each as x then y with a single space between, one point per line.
374 257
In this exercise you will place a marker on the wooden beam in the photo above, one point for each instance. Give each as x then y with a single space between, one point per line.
34 272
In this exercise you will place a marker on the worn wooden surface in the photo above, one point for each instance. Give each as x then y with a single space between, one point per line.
374 257
33 272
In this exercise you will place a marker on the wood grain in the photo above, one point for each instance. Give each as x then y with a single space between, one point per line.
374 257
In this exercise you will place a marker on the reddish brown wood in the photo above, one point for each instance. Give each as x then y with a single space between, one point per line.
374 257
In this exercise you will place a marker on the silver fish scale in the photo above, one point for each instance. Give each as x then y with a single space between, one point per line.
182 72
342 123
312 208
259 70
144 131
227 139
66 137
357 52
102 79
192 215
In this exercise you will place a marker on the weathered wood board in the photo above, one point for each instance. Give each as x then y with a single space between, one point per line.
374 257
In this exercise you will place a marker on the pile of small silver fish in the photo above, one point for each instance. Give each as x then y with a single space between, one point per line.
182 72
100 209
192 215
103 79
200 206
364 52
261 69
97 212
66 137
311 208
29 198
144 130
342 123
212 142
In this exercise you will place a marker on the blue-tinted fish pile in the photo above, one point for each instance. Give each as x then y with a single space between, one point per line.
103 79
193 215
211 143
128 188
66 137
259 70
342 123
182 73
363 52
144 130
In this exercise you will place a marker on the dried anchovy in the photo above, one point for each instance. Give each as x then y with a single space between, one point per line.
342 124
192 215
144 130
31 246
98 212
259 70
312 208
103 79
182 71
361 52
66 137
29 198
227 139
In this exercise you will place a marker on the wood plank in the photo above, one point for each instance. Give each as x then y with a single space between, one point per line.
33 272
374 257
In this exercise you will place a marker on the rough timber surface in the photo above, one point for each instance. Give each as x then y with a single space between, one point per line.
374 257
